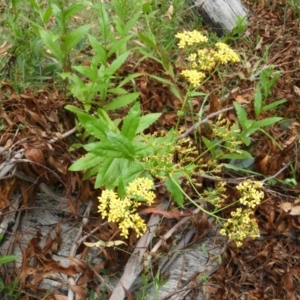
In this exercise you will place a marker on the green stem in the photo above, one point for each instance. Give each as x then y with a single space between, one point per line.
192 201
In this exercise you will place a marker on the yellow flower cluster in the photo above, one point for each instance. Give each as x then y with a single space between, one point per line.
205 59
190 38
216 195
250 193
240 226
193 76
225 54
170 155
228 134
123 211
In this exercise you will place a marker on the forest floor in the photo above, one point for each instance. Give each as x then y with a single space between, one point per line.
37 133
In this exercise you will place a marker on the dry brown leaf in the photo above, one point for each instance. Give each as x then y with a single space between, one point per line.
286 206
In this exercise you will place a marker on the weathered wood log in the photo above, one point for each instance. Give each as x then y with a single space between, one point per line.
221 15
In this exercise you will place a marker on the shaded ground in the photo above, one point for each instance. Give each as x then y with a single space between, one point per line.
266 268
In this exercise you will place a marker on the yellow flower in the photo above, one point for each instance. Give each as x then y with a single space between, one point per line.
240 226
188 38
250 195
206 59
225 54
123 211
193 76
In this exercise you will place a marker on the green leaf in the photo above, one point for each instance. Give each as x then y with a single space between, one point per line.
243 155
146 121
47 15
122 101
73 38
100 51
116 146
109 172
273 105
87 72
246 140
241 114
51 42
7 259
105 149
118 91
106 120
173 186
148 39
92 125
209 145
174 89
232 167
86 162
257 100
131 78
121 188
166 62
116 64
121 143
117 45
267 122
131 122
142 150
72 10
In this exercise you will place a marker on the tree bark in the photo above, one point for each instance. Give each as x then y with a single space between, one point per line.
221 15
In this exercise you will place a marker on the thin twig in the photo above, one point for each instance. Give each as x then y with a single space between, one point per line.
205 120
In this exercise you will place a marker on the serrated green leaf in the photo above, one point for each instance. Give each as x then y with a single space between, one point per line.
257 100
173 186
51 42
100 51
148 40
105 149
122 101
123 144
246 140
131 122
72 10
106 120
116 64
267 122
87 72
86 162
117 45
131 78
241 114
273 105
91 124
146 121
143 150
73 38
109 172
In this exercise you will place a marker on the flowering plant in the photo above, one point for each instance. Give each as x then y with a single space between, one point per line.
204 59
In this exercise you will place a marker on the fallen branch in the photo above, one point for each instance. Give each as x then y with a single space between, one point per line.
76 244
134 265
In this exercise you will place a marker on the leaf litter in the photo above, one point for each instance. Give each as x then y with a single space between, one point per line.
33 140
